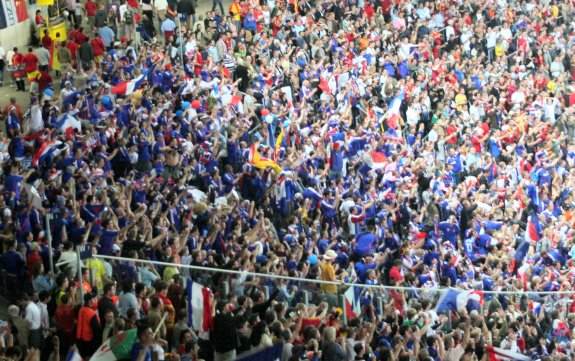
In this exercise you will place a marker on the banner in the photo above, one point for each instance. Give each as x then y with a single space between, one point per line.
45 2
12 12
272 353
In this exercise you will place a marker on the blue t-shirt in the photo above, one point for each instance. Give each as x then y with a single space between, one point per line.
136 352
365 243
361 269
144 151
107 241
12 184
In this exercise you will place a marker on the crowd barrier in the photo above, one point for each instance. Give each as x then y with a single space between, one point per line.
348 297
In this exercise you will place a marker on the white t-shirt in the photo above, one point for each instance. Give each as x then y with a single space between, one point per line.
491 39
33 316
36 123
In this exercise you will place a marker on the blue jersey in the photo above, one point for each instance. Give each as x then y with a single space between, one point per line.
365 243
450 232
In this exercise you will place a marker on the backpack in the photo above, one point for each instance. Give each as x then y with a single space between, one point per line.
129 18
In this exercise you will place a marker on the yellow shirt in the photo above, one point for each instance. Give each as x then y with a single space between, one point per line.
98 271
236 11
328 274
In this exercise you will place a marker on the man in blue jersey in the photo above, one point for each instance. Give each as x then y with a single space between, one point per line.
450 231
365 242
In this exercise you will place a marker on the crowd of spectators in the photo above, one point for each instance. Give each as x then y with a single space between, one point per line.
407 146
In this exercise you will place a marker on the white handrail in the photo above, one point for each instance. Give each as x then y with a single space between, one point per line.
295 279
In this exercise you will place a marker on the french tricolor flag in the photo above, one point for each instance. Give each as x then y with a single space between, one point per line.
128 87
352 303
47 151
535 307
392 114
66 121
199 306
533 231
455 300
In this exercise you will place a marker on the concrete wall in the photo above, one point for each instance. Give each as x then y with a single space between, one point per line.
16 35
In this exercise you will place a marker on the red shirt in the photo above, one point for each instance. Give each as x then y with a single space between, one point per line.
476 144
369 11
32 259
200 61
80 38
73 47
450 130
43 80
47 42
90 8
98 46
398 300
386 6
31 62
66 320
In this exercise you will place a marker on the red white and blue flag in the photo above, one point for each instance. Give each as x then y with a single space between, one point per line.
47 151
392 114
12 12
352 303
130 86
455 300
66 121
535 307
200 316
